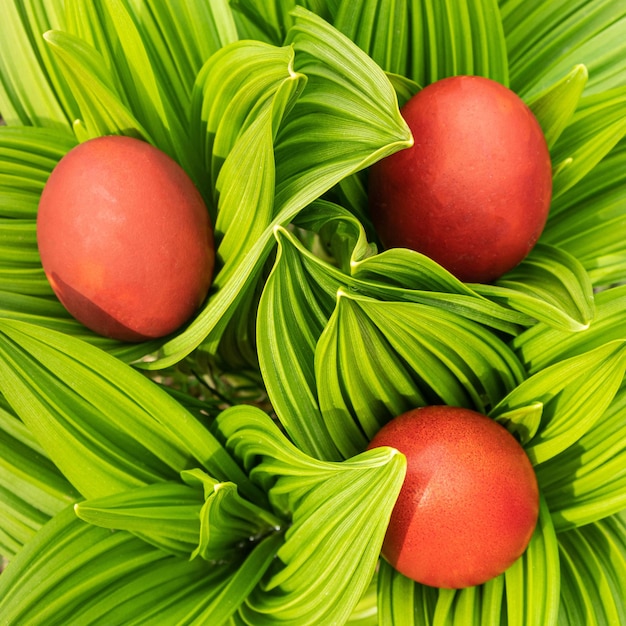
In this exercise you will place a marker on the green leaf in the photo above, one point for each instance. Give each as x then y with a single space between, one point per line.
428 40
587 481
102 108
167 514
574 393
598 125
376 360
549 285
588 220
542 345
546 39
105 426
401 601
32 92
533 581
75 573
555 106
593 570
345 119
340 513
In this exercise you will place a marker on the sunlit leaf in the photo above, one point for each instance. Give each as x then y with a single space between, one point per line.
549 285
32 92
587 481
106 426
588 221
546 39
574 393
598 125
76 573
348 105
542 345
593 570
102 109
555 106
340 513
376 360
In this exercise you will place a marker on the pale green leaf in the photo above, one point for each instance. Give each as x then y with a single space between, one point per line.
587 481
546 39
345 119
32 92
549 285
339 511
73 573
102 109
574 393
543 345
555 106
106 426
598 125
376 360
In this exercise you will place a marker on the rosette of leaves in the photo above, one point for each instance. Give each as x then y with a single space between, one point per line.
137 486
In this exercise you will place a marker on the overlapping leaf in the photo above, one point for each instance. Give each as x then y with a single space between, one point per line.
587 481
574 394
376 360
349 106
339 512
546 39
76 573
105 426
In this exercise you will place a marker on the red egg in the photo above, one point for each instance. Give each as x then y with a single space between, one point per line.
469 503
125 239
474 191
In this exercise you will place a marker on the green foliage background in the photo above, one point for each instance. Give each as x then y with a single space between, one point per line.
219 476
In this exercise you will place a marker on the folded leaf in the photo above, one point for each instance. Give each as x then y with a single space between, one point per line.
339 512
574 393
428 40
549 285
106 427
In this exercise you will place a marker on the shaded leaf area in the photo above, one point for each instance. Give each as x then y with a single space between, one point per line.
425 40
32 489
526 594
77 573
347 107
105 426
574 394
339 514
593 570
27 157
546 39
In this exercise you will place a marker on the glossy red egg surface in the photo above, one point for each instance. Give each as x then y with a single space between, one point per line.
473 192
125 239
469 503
